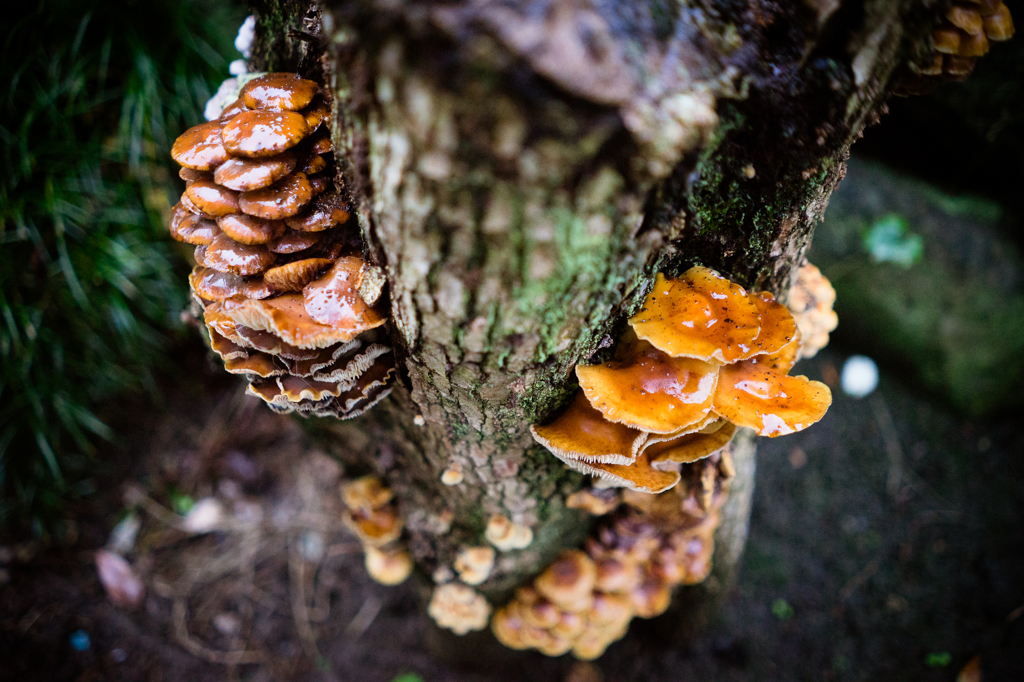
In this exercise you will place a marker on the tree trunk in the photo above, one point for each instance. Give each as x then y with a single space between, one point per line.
520 170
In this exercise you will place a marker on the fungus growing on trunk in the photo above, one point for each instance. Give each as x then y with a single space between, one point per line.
276 277
704 351
371 516
459 608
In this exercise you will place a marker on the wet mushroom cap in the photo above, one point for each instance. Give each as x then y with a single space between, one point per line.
279 91
227 255
190 228
295 275
773 404
999 24
967 19
283 199
255 134
691 447
317 112
649 389
568 582
324 212
778 328
247 229
333 298
701 315
294 242
639 475
200 148
211 198
232 110
243 175
214 285
582 432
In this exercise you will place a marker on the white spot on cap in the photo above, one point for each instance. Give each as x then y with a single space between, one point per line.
860 376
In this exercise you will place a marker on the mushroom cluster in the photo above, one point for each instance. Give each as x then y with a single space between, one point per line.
287 300
810 301
373 518
965 33
586 599
702 357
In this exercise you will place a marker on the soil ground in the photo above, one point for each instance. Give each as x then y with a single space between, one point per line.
884 544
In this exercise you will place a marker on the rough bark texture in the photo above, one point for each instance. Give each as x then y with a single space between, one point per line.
520 170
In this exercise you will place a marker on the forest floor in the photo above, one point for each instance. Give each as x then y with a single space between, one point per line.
884 544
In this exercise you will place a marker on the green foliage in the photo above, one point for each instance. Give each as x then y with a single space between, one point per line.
938 659
889 240
93 94
782 609
408 677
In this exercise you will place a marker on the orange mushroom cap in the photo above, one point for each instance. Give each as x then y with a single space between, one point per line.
255 134
190 228
582 433
211 198
946 39
639 475
646 388
998 24
691 447
778 328
286 317
294 242
244 175
247 229
322 213
334 299
968 19
701 315
279 91
295 275
773 404
283 199
214 285
200 147
227 255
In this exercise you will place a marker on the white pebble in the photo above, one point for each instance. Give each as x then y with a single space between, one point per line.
860 376
204 516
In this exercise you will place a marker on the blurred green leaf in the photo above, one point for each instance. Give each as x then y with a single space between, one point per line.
889 240
782 609
939 659
408 677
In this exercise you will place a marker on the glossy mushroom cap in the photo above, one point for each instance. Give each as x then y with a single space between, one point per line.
701 315
279 91
569 582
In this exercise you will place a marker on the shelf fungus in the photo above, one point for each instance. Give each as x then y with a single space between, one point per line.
965 32
373 518
702 357
287 300
627 569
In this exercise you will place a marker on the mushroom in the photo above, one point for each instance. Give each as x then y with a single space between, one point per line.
283 199
244 175
261 133
200 148
295 275
692 446
582 433
294 242
459 608
279 91
506 535
227 255
247 229
211 198
189 228
325 211
639 475
810 301
389 566
594 502
474 564
646 388
998 24
568 583
366 494
773 404
701 315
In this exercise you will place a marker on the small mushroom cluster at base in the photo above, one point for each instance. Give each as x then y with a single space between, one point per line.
702 358
370 514
810 301
287 300
962 37
586 599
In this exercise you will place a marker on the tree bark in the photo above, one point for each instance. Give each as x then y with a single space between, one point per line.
520 170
